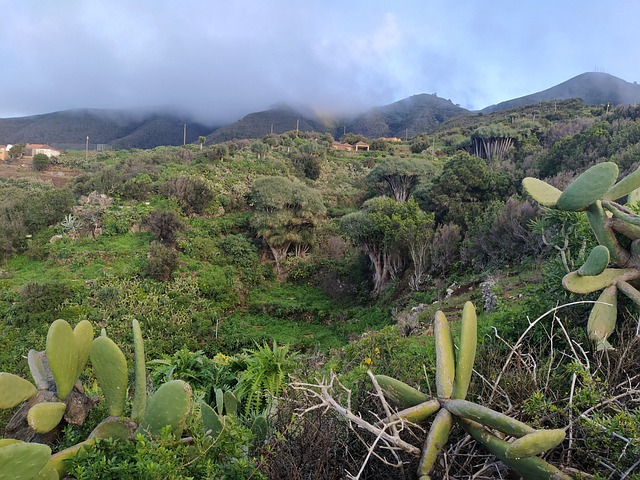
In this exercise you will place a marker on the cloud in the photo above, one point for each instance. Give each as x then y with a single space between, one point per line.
221 60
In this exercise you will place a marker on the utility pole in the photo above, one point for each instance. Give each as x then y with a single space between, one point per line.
297 126
184 135
86 150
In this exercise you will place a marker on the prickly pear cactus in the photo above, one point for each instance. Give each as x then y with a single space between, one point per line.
453 374
615 226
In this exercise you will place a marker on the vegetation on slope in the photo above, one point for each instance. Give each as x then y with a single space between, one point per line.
234 256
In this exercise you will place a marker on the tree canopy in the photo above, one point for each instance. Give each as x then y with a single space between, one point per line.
397 177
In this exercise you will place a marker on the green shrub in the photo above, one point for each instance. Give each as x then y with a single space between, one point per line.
161 262
40 162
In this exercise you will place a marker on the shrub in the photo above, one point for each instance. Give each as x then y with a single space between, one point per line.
164 225
193 193
40 162
161 262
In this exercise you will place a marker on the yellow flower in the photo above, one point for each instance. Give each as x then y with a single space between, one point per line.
368 360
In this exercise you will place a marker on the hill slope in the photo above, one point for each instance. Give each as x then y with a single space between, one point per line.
276 120
117 128
594 88
410 116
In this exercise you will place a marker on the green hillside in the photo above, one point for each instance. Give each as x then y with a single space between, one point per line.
272 273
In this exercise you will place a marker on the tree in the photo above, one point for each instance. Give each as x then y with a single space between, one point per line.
494 140
387 230
398 177
201 141
40 162
17 150
286 213
463 188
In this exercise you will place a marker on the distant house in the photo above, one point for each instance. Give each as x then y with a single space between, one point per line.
342 146
391 139
4 152
361 146
32 149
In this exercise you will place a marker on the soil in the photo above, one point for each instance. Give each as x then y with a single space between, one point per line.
21 168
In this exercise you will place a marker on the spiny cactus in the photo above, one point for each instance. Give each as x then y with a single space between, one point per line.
453 375
595 192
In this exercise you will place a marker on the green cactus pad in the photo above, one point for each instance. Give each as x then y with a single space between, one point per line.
488 417
399 393
588 187
582 284
110 368
140 392
417 413
113 427
59 461
62 354
8 441
230 403
535 443
529 468
44 417
170 405
83 334
596 262
260 428
624 187
14 390
466 354
437 438
47 473
445 356
211 421
543 193
22 461
602 319
630 291
219 401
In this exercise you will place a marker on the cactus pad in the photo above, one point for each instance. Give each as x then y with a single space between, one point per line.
445 357
624 187
22 461
170 405
83 334
535 443
400 393
110 367
587 284
14 390
44 417
466 352
211 421
62 354
543 193
588 187
488 417
602 319
596 262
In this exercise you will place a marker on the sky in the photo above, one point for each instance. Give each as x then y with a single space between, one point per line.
220 60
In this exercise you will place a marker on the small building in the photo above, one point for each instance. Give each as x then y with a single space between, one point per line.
342 146
4 152
32 149
361 146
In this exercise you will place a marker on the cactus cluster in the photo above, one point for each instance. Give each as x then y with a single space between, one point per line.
226 407
57 371
617 230
453 375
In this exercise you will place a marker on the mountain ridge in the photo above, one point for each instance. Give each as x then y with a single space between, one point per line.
410 116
